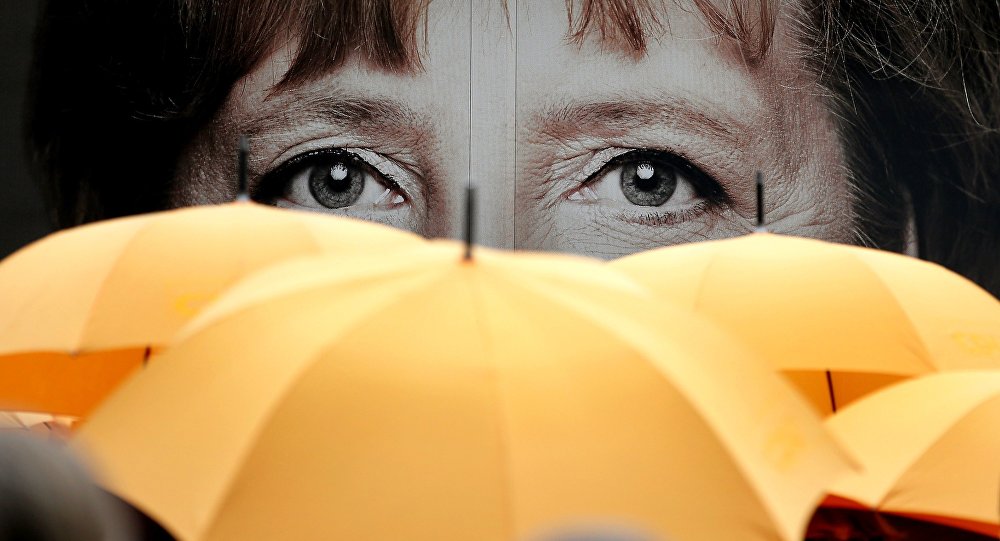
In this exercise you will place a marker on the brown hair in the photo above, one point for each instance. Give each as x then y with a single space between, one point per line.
913 83
749 23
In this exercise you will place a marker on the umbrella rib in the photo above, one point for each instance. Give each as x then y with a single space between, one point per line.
829 390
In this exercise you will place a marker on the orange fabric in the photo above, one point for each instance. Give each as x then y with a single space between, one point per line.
63 384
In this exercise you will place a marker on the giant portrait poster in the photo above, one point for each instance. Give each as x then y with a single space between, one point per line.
599 127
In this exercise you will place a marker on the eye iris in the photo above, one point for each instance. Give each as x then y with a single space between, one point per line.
336 185
647 184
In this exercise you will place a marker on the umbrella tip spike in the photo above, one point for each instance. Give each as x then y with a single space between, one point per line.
243 193
470 220
761 227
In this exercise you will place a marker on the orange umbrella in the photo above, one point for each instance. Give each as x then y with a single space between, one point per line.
930 449
427 397
840 320
80 309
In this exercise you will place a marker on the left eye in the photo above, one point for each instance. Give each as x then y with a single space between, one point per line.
647 178
330 179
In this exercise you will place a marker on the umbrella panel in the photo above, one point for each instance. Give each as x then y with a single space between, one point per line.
61 384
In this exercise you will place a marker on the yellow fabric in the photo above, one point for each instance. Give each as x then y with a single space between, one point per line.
813 306
928 447
423 397
130 283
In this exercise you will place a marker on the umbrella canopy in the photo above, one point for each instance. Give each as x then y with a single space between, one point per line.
841 321
929 448
80 309
427 397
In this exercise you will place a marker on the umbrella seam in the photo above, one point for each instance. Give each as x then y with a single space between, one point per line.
923 353
503 418
702 282
98 292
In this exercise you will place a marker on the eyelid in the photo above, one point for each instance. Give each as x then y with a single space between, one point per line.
599 161
389 169
371 159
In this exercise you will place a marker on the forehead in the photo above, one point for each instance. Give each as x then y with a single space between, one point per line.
458 39
687 60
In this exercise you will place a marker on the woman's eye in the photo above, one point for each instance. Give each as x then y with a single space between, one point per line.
330 179
646 178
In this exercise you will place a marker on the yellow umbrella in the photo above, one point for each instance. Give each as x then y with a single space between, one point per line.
930 449
841 321
429 397
80 309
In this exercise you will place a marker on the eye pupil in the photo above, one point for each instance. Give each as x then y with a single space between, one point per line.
648 185
338 185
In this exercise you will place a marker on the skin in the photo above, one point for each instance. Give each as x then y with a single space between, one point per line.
547 116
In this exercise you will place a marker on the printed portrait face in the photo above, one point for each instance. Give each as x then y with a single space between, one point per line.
579 142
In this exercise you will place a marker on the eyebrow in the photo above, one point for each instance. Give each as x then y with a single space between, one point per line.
564 121
362 114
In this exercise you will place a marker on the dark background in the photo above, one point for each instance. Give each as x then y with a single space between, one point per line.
22 216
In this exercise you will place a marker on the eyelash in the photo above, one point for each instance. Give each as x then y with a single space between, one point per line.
273 182
665 219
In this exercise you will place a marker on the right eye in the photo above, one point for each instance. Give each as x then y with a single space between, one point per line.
330 179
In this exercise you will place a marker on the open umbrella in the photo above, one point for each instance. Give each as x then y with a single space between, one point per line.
431 397
839 320
80 309
930 449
